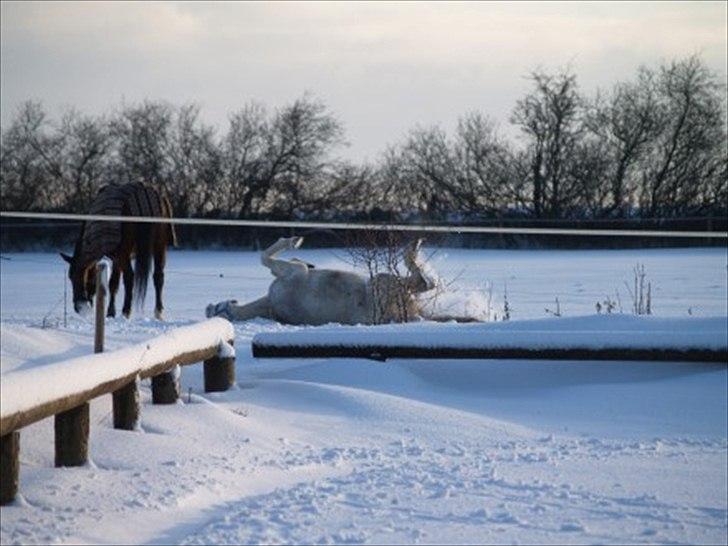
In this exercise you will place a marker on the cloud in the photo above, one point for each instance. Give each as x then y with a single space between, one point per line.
381 66
108 26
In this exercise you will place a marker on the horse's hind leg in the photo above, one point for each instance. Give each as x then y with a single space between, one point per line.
418 281
113 288
160 259
128 276
282 268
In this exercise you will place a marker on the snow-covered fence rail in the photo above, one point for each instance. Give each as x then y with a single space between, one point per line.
606 337
64 390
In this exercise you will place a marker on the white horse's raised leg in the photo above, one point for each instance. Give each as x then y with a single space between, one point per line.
283 268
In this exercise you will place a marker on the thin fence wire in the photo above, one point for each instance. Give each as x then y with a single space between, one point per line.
219 275
369 226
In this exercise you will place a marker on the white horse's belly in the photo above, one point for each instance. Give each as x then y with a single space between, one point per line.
320 296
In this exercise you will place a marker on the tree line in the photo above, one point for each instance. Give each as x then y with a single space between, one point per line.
653 146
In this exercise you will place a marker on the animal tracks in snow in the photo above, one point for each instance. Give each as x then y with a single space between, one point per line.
456 492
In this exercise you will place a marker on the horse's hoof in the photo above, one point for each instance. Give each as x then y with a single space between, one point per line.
221 309
158 314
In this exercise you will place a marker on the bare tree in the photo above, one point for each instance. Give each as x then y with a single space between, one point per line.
23 170
652 146
345 191
590 171
196 164
686 162
468 174
142 144
625 122
485 166
33 157
395 186
84 157
550 118
431 172
274 163
243 159
300 141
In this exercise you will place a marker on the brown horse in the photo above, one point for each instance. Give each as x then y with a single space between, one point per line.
122 242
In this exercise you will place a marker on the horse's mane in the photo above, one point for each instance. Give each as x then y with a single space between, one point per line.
78 247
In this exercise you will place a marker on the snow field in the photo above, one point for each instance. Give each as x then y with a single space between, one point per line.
350 451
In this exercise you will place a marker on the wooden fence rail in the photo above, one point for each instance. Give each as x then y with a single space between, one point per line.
64 390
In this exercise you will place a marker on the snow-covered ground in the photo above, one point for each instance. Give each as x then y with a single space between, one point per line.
350 451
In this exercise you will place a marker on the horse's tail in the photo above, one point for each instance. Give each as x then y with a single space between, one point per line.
145 201
142 262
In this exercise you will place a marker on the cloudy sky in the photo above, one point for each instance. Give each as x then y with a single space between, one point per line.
381 67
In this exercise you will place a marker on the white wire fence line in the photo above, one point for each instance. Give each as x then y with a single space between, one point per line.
370 226
63 265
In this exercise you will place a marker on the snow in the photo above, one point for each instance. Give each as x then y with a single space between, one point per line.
407 451
592 332
105 266
226 350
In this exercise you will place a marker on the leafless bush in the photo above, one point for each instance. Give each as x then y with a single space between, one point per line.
506 304
383 252
640 292
608 305
556 311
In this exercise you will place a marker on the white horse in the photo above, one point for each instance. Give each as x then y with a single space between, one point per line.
302 294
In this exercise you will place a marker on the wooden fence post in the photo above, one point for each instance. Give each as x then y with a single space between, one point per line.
219 371
101 282
125 401
72 428
9 466
165 387
126 407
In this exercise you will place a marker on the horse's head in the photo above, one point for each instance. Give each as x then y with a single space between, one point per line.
83 281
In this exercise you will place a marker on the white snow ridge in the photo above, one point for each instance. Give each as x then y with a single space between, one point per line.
354 451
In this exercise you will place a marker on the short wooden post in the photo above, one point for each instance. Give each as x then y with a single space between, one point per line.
9 466
72 428
166 388
126 407
219 371
219 374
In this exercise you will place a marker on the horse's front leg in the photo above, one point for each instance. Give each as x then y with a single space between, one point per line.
113 288
128 273
159 262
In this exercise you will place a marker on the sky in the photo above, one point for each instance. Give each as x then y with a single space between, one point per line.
382 68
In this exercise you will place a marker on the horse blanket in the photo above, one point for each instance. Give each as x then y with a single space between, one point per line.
101 238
